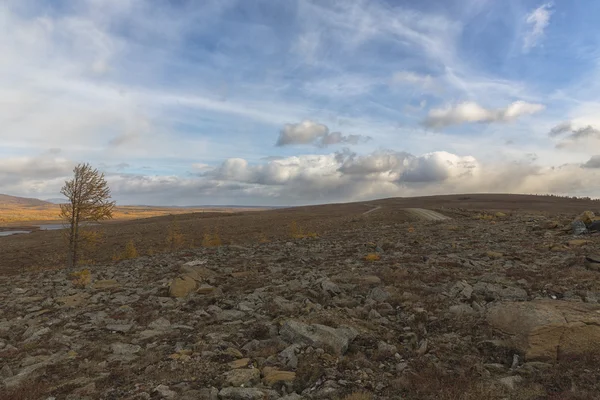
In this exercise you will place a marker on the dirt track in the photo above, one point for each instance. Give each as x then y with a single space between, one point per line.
427 215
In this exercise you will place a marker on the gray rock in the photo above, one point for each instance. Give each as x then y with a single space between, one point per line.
510 382
385 349
230 315
461 291
159 324
379 294
125 348
578 227
288 356
202 394
492 292
165 392
461 309
242 376
318 335
6 372
330 287
233 393
37 334
123 328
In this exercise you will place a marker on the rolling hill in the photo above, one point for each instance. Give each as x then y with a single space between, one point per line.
21 201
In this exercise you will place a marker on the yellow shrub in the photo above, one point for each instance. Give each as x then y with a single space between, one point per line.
372 257
263 238
127 254
174 237
82 278
130 251
297 232
211 240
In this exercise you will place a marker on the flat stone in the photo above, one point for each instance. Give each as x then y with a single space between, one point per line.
182 286
242 376
230 315
318 335
272 376
75 300
546 330
241 363
160 324
123 328
106 284
125 348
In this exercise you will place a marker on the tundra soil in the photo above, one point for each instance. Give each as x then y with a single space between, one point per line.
386 304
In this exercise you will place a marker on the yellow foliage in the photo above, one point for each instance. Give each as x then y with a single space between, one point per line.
127 254
297 232
130 251
263 238
82 278
411 229
372 257
211 240
174 236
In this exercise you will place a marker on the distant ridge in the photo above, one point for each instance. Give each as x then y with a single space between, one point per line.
23 201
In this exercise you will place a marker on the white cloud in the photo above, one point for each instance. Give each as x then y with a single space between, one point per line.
537 21
576 134
425 81
309 132
593 162
472 112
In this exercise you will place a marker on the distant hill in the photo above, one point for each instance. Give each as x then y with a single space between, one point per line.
56 200
22 201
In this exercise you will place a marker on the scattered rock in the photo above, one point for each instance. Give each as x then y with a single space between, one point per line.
242 377
379 294
318 335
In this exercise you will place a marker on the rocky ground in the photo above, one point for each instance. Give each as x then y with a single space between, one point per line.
476 307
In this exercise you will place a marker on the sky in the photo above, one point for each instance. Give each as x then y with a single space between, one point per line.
268 102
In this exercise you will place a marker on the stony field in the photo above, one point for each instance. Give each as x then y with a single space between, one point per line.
482 306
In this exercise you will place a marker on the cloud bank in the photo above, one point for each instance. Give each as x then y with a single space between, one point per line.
309 132
469 111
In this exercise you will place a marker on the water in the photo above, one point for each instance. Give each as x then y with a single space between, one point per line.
43 227
8 233
50 227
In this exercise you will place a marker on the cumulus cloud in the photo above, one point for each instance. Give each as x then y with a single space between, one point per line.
312 179
574 134
593 162
309 132
472 112
537 22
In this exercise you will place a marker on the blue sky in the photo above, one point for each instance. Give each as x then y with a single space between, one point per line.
298 102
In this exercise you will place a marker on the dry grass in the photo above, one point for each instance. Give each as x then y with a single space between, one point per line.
359 396
11 214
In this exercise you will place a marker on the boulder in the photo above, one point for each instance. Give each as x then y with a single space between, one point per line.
336 339
182 286
272 376
242 376
549 329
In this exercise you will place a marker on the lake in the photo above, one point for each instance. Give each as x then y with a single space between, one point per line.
43 227
8 233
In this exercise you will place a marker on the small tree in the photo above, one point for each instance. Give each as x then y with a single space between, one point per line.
88 201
